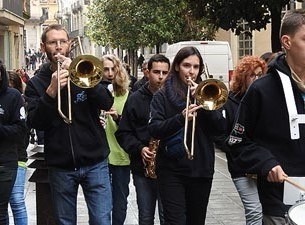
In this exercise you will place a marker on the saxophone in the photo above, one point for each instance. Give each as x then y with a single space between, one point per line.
150 166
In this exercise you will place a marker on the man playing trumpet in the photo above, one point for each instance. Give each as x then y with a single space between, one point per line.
76 153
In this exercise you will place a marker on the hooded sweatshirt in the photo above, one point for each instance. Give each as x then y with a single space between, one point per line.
261 138
69 146
133 134
12 121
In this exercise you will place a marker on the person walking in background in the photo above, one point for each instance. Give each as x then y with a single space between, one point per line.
247 71
12 130
76 153
184 184
117 81
17 201
262 140
134 138
132 78
143 80
140 60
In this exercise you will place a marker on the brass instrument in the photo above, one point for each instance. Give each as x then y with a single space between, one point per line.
210 94
85 71
150 166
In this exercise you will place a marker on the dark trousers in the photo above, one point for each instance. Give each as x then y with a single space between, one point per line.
7 180
184 199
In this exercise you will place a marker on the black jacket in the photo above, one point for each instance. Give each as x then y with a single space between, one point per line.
12 122
72 146
132 133
230 109
261 136
167 119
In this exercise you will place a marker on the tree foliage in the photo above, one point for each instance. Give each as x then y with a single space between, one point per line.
134 23
230 15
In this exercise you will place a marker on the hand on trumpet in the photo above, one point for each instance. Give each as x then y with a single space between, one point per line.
193 85
64 61
191 111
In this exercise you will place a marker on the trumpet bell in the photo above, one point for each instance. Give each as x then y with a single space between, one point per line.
86 71
211 94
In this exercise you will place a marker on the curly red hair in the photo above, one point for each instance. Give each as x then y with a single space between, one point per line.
245 68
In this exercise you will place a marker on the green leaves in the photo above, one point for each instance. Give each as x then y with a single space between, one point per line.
132 24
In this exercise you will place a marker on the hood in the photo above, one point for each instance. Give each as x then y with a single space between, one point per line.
279 63
4 78
234 98
145 91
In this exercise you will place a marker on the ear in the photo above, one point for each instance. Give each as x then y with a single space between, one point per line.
286 41
42 47
177 68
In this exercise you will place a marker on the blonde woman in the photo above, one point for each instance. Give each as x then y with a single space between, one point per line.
117 81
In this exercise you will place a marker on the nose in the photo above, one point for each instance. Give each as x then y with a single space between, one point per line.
161 75
58 45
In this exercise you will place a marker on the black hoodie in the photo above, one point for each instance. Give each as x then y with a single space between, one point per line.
132 133
12 121
81 143
261 136
167 119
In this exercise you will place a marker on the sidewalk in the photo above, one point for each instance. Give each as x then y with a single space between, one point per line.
224 208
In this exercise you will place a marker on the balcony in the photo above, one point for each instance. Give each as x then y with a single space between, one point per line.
11 12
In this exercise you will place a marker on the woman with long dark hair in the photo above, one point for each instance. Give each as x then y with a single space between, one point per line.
184 184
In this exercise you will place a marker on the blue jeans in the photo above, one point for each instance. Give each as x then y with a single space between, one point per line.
7 180
95 183
120 178
17 198
247 190
147 195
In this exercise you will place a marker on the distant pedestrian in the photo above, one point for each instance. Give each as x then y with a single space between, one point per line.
144 79
140 60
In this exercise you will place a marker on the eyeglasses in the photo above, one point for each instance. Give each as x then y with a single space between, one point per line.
55 42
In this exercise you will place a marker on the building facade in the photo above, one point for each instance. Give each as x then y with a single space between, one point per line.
12 18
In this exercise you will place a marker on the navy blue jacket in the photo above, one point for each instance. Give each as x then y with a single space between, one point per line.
12 121
261 136
167 119
69 146
132 133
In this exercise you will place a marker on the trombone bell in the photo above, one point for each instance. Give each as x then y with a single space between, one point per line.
211 94
86 71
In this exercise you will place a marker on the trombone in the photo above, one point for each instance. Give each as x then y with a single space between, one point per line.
85 71
210 94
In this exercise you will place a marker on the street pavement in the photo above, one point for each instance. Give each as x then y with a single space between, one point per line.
224 207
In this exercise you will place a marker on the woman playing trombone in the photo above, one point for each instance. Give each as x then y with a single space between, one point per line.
184 184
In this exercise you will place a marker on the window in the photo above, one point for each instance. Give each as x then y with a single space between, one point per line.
245 42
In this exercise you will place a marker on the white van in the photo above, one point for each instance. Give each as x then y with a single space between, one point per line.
216 55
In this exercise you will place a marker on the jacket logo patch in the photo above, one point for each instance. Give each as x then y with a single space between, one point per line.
1 110
234 140
22 113
81 97
238 128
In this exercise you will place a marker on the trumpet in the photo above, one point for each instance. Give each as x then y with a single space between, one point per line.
85 71
210 94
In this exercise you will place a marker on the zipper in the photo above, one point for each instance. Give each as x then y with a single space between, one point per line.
72 148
